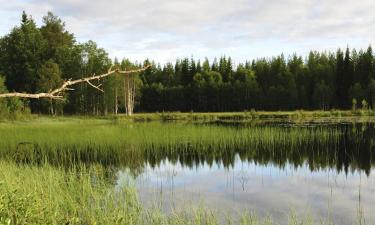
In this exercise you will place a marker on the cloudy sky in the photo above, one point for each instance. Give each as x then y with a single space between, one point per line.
244 29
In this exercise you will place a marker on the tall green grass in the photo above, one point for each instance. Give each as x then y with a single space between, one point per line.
104 142
46 195
50 195
117 143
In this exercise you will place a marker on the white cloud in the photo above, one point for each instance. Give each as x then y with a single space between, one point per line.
170 29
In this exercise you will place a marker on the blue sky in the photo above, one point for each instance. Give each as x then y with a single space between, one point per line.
165 30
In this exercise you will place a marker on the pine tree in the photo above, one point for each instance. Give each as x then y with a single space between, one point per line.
206 65
58 41
21 56
199 67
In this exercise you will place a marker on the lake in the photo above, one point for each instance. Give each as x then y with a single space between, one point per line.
337 185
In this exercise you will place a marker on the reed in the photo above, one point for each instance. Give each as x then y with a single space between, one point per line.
117 143
86 195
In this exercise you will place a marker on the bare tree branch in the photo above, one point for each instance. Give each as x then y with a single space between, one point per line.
96 87
58 92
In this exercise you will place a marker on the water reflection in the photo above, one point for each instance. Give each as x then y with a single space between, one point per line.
328 181
349 148
262 189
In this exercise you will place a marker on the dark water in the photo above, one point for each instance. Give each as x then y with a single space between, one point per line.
333 183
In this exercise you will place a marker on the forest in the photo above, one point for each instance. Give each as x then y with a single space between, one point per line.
38 59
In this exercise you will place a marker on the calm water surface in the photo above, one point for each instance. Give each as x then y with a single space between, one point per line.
340 191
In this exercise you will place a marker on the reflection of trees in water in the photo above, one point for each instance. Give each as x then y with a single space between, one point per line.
341 147
243 177
351 150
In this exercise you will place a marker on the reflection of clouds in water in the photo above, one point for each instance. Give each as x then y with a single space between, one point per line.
167 170
266 190
124 179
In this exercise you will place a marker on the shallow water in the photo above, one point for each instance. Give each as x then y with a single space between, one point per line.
340 190
264 190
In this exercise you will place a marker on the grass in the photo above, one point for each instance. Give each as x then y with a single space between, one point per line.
85 195
108 142
46 195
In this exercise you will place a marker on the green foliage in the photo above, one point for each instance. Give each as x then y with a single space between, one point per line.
12 108
356 92
37 58
198 80
21 55
323 95
371 93
49 79
324 81
58 40
3 102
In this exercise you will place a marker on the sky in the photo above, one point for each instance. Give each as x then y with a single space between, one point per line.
166 30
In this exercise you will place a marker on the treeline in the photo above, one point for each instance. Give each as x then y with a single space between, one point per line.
37 59
323 80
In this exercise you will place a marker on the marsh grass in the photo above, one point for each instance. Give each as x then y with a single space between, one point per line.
46 195
117 143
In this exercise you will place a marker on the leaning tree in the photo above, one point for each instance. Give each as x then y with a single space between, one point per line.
58 93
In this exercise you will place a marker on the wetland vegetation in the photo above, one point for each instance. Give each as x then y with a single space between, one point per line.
68 170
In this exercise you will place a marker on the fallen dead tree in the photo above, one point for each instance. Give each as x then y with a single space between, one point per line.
58 92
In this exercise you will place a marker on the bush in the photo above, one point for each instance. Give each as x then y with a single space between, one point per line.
12 108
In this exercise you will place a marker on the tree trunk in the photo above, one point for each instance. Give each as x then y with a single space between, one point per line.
126 95
129 87
116 101
51 107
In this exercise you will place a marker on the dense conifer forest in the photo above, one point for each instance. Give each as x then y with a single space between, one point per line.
38 59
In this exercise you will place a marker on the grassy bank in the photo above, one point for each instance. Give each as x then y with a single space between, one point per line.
85 195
